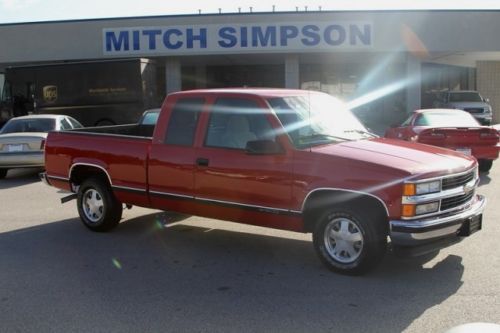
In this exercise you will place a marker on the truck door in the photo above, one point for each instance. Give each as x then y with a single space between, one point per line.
232 184
172 157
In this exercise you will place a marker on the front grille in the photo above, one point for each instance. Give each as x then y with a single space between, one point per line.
457 181
457 201
474 110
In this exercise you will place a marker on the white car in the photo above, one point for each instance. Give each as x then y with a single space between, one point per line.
21 139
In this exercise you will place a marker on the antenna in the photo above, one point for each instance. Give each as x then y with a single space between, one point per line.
251 9
220 10
305 7
199 11
274 7
319 8
239 9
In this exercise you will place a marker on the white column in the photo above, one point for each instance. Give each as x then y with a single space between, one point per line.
173 78
413 90
292 70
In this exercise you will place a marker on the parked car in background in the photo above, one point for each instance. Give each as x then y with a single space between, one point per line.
22 139
453 129
467 100
150 117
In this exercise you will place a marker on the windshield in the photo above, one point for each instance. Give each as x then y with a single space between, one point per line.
465 97
316 119
29 125
446 119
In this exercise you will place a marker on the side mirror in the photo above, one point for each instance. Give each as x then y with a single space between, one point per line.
263 147
487 100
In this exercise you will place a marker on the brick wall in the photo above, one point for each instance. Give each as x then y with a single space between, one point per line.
488 85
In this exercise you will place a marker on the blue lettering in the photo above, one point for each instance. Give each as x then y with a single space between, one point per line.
228 39
244 37
334 35
287 32
136 41
202 38
117 44
167 41
260 38
311 32
152 37
365 36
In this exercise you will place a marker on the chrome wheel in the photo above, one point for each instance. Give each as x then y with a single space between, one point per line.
93 205
343 240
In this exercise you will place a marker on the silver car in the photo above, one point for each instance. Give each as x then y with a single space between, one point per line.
21 139
467 100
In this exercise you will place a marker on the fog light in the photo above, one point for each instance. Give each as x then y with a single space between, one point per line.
427 208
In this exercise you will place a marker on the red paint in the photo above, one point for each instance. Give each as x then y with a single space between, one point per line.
266 190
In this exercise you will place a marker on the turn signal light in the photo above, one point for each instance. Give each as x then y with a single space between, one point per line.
408 211
409 189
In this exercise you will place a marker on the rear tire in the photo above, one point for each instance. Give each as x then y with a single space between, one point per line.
3 173
485 165
349 243
98 207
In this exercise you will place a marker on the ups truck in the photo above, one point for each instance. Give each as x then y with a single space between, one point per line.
95 93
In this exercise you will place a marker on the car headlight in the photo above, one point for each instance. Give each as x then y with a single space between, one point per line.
411 189
427 208
411 210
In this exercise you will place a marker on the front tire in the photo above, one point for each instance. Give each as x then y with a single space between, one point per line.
349 243
98 207
485 165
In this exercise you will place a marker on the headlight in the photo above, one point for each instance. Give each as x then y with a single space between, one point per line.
410 210
422 188
427 208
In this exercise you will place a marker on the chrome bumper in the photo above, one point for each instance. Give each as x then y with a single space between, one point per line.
417 232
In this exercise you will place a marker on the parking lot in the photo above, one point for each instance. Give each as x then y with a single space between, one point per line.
164 272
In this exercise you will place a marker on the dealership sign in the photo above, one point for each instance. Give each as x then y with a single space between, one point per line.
237 38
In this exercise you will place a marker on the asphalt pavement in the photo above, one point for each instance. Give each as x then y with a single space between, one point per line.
163 272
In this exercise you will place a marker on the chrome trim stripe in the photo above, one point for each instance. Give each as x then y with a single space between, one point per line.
57 178
171 195
228 203
280 210
91 165
343 190
132 189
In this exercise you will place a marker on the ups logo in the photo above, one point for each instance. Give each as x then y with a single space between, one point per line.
50 94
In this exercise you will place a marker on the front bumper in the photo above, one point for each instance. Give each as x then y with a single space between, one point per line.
438 230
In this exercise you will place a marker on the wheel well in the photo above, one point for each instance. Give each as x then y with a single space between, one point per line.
356 202
80 173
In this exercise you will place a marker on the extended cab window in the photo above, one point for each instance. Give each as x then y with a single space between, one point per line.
182 123
235 121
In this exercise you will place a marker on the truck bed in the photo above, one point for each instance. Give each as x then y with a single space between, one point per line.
145 131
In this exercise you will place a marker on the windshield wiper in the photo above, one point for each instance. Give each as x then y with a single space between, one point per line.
323 136
318 138
362 132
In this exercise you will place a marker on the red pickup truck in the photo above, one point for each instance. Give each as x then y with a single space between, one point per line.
287 159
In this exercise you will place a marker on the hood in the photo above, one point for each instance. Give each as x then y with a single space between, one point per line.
408 157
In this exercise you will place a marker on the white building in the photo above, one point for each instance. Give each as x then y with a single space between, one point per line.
391 58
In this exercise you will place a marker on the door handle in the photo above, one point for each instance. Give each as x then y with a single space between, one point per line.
202 162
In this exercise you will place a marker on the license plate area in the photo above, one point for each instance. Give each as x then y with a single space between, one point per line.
471 225
15 148
466 151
